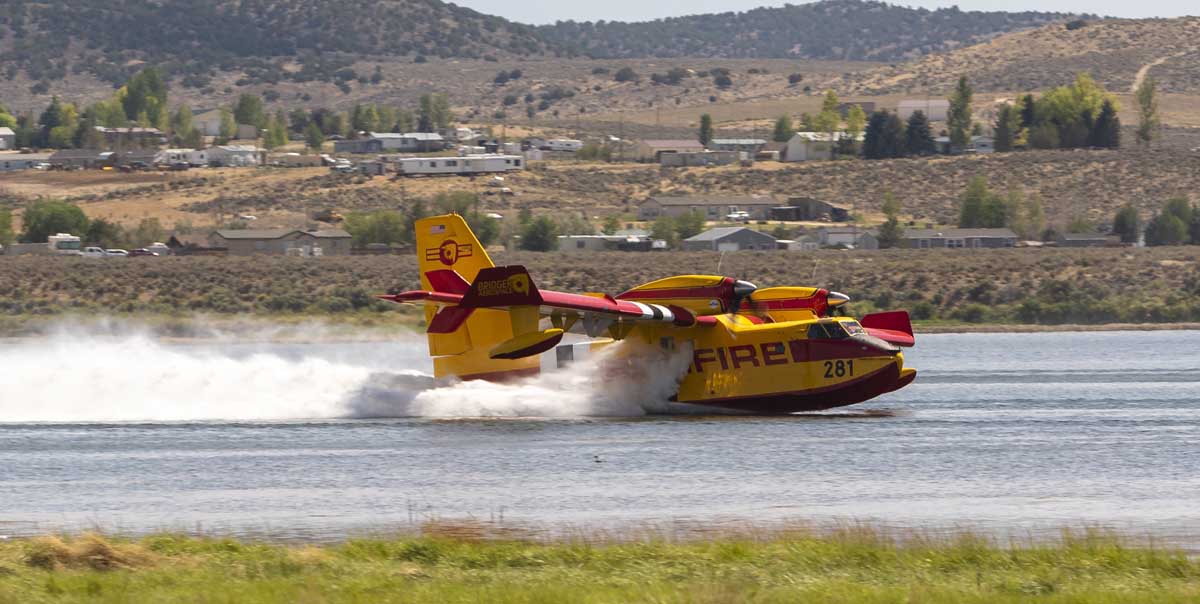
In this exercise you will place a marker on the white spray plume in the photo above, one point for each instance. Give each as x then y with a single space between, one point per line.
122 374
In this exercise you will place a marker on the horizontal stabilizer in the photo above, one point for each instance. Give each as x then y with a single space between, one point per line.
893 327
502 286
449 319
527 345
447 281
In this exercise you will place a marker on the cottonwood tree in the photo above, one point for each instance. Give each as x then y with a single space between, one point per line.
1126 224
1147 100
891 233
959 119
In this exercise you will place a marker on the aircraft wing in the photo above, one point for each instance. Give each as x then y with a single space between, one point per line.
511 288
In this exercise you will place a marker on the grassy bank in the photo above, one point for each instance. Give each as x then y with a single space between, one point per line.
848 566
966 287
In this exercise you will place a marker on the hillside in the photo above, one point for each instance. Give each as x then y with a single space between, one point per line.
833 29
212 46
296 40
1115 51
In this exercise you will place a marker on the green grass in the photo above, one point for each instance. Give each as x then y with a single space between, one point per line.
849 566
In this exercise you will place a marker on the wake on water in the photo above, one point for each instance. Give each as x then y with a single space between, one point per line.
81 376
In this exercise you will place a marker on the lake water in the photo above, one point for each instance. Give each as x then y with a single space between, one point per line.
1000 432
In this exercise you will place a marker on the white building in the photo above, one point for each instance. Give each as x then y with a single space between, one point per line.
465 165
235 155
8 139
208 122
936 110
807 146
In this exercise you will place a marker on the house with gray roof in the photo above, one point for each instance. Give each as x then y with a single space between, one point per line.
744 145
730 239
8 138
380 142
281 242
714 207
959 238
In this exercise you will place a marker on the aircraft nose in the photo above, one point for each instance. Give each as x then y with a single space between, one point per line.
836 299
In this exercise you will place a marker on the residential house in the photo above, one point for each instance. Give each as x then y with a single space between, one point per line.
131 137
805 243
713 207
852 238
977 144
246 242
379 142
175 156
652 150
937 110
772 151
730 239
703 158
807 209
22 161
959 238
246 132
8 139
1087 240
236 156
745 145
621 241
208 122
75 159
807 146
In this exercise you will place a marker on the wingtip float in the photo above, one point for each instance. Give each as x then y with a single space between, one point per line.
768 350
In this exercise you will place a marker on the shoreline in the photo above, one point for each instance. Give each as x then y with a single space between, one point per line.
857 564
375 327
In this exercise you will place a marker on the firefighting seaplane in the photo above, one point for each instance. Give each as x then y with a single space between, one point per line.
771 351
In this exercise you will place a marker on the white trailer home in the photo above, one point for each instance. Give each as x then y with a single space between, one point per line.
564 144
465 165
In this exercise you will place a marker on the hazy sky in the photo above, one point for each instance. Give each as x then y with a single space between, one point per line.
548 11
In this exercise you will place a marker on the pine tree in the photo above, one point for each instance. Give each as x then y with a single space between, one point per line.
706 129
783 129
1006 129
313 137
1126 224
893 137
891 233
918 137
1028 112
1106 129
959 119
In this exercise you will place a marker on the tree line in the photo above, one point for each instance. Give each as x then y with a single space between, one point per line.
45 217
144 101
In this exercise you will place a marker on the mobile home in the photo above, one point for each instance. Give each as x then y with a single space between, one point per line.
465 165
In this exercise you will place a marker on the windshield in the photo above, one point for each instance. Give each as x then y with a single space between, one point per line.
853 328
827 331
66 245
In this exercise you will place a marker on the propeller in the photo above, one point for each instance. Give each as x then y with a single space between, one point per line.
741 291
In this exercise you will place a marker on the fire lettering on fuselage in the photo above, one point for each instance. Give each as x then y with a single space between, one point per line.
772 354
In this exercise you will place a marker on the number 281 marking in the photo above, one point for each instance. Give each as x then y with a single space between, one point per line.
839 369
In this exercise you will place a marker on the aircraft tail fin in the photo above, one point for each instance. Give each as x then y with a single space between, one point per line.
474 338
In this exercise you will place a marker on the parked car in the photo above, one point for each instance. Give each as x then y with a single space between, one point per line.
94 252
141 251
116 252
738 215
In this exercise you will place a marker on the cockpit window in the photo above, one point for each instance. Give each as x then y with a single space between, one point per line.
827 331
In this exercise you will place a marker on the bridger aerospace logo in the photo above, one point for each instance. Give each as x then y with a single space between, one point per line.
449 252
509 286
